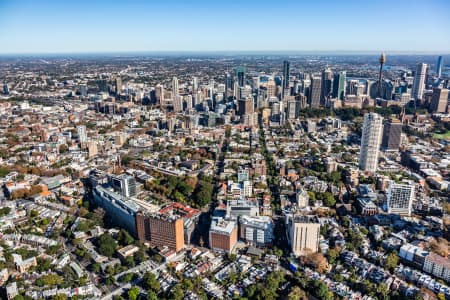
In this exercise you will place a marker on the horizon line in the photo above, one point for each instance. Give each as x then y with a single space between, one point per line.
228 52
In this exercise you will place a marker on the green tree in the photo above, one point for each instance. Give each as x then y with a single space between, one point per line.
391 261
151 295
297 293
177 292
133 293
106 245
150 282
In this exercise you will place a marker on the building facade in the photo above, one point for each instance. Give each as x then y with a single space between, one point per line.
370 142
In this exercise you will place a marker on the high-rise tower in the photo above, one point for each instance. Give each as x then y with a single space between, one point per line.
370 142
315 91
339 85
327 77
240 74
382 61
419 81
439 67
286 74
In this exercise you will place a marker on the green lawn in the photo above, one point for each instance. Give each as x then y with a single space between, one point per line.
445 136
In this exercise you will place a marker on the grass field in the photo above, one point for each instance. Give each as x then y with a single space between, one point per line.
445 136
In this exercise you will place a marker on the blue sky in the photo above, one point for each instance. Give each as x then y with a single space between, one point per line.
64 26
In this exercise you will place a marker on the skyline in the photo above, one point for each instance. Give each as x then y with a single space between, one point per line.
29 27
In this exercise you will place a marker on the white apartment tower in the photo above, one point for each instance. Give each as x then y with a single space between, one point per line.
419 81
400 198
82 135
372 132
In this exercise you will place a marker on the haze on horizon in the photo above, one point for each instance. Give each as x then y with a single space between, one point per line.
99 26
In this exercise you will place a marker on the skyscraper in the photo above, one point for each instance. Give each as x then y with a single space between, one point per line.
5 89
228 85
286 73
240 75
419 81
245 106
327 77
439 67
315 92
400 198
339 85
392 132
439 100
370 142
118 85
175 87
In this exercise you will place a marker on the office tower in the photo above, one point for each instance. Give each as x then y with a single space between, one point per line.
382 61
271 88
392 132
5 89
159 93
223 235
293 109
327 77
228 85
245 106
256 231
339 85
240 75
189 101
124 184
102 85
83 90
303 234
194 84
400 198
118 85
439 67
419 81
370 142
315 92
178 104
245 92
82 135
175 87
286 74
439 100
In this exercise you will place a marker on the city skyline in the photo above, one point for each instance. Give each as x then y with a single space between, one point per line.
407 27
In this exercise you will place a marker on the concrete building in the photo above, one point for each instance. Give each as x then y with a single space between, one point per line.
419 81
222 235
303 233
171 226
242 207
370 142
392 133
439 100
315 92
82 135
257 231
438 266
400 198
123 184
121 210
